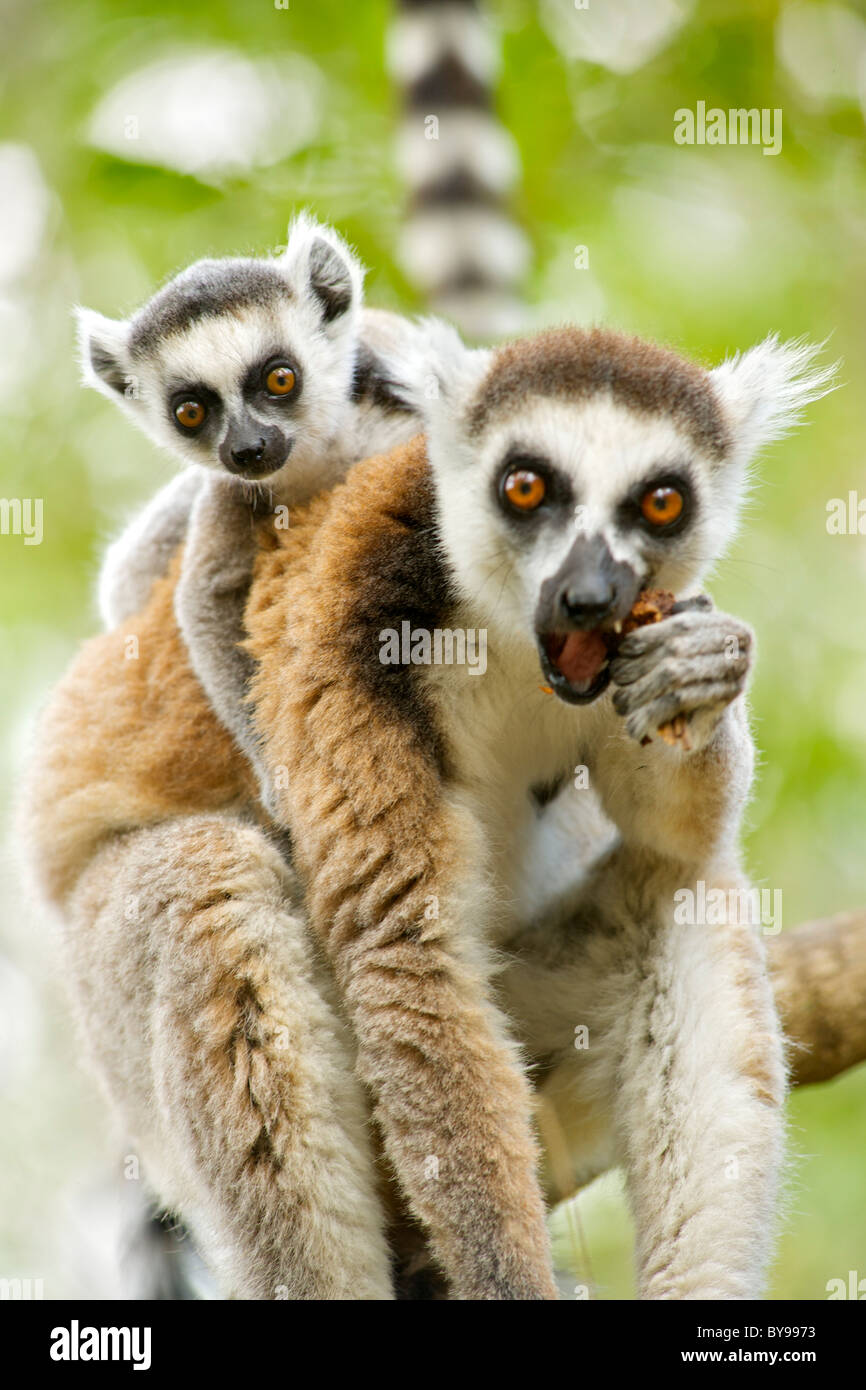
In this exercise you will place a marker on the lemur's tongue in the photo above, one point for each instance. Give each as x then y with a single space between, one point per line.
577 655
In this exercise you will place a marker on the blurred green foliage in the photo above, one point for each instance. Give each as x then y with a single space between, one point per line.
706 248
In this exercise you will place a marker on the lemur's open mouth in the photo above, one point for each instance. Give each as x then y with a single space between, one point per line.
576 663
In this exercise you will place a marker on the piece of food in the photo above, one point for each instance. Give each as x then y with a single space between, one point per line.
675 733
650 606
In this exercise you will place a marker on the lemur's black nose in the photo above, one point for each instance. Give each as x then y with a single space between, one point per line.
249 454
586 604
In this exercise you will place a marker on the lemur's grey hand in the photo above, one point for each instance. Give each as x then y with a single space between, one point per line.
675 678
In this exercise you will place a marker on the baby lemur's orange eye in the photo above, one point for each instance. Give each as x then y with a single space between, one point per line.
524 489
662 505
280 381
190 414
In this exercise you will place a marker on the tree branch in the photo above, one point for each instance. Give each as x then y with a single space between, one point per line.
819 975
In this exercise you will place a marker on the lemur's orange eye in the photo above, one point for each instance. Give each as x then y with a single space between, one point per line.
190 414
662 505
524 489
280 381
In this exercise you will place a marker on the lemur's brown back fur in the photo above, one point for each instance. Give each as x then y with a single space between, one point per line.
327 707
128 739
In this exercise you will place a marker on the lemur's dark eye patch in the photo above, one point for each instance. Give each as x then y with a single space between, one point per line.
662 506
528 484
192 407
190 414
524 489
280 379
275 379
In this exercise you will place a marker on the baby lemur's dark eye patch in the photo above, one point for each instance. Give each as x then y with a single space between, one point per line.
193 407
276 378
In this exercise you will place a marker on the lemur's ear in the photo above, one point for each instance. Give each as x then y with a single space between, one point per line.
764 391
320 266
102 349
437 373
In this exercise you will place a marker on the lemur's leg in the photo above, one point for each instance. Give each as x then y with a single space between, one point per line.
141 554
701 1077
451 1101
659 1049
698 1101
210 598
224 1056
394 893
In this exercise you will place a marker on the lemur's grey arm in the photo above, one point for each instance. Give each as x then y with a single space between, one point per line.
211 512
700 1060
210 599
141 554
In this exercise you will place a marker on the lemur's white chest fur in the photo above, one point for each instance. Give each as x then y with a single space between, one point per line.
506 737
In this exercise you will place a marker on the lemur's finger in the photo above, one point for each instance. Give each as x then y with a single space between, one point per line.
665 670
646 720
695 630
680 662
671 676
709 649
687 605
680 700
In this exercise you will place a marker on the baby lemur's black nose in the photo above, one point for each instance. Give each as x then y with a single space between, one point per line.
249 454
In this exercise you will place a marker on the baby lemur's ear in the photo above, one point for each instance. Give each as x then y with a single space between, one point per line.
322 268
103 352
764 391
436 374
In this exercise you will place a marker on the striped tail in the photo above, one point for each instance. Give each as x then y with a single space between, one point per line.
460 245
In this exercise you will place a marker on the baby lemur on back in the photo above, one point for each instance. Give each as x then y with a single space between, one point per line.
561 475
262 376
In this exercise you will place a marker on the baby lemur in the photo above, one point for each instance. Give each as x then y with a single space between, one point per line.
262 376
560 476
